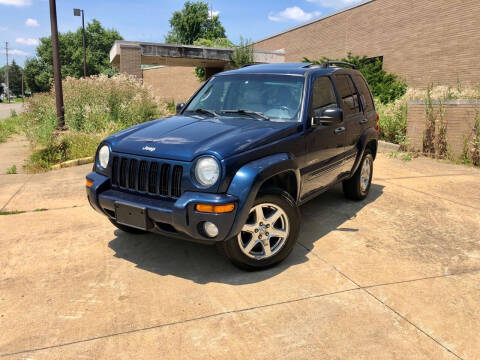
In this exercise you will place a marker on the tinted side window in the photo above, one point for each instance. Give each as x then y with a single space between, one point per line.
365 94
348 94
323 96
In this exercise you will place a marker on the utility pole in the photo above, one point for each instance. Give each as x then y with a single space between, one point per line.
23 93
76 12
57 73
6 73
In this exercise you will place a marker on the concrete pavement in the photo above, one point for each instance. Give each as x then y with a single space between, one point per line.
5 109
15 151
395 276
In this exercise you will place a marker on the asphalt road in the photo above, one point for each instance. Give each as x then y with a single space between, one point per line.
396 276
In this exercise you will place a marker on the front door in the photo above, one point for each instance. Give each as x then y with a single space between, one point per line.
325 143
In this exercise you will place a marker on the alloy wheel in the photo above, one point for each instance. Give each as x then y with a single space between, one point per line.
365 174
265 232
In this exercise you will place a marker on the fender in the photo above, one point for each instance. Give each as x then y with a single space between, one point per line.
247 182
365 138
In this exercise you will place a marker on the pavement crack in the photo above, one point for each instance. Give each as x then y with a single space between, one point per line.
158 326
39 210
420 279
16 192
430 195
365 289
421 176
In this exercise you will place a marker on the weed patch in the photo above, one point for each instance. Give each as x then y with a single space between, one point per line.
12 170
9 127
95 107
13 212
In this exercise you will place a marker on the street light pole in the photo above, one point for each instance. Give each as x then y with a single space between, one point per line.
57 73
76 12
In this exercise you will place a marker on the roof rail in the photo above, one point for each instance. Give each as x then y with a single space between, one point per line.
310 65
251 64
327 64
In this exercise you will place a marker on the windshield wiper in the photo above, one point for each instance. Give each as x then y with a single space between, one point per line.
247 112
204 111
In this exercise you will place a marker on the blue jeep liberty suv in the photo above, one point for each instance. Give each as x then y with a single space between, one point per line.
233 165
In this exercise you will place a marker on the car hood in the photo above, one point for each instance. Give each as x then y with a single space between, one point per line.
184 137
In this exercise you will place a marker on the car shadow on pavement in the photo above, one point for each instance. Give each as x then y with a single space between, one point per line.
204 264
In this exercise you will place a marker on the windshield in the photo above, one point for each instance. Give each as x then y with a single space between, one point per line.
271 97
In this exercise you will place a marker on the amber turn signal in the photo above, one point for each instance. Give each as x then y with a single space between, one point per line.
217 209
89 183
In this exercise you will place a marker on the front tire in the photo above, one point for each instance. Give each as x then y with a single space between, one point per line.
358 186
126 228
269 234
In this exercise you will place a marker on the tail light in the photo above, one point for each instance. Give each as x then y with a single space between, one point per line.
376 122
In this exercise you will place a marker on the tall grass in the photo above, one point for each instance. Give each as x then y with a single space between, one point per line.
9 126
393 116
95 107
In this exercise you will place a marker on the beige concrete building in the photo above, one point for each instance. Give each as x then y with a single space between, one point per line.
423 41
172 83
433 41
172 77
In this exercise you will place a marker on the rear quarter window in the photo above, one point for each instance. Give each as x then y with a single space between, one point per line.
365 94
348 94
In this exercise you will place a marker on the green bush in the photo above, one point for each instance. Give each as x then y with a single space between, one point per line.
95 107
386 87
393 120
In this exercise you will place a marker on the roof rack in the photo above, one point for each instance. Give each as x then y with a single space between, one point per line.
327 64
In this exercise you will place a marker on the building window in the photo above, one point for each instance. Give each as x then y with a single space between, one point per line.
374 59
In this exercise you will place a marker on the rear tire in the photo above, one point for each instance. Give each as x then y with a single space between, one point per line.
126 228
260 244
358 186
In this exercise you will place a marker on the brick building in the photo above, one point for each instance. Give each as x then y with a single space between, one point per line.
430 41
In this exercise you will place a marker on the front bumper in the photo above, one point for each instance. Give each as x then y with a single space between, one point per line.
171 217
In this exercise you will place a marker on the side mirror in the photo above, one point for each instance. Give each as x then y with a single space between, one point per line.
330 116
180 107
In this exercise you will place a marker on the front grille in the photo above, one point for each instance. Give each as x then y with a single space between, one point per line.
152 177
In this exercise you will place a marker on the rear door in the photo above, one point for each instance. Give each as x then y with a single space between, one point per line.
325 143
353 117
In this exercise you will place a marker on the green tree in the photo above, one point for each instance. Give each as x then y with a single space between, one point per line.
386 87
243 53
38 75
14 78
194 22
39 70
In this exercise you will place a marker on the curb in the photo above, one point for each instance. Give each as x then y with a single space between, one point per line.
71 163
384 147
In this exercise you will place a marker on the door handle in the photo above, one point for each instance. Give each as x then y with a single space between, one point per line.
363 121
339 130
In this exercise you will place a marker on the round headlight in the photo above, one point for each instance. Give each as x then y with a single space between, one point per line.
104 156
207 171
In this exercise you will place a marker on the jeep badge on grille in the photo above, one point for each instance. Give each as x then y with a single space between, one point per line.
148 148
